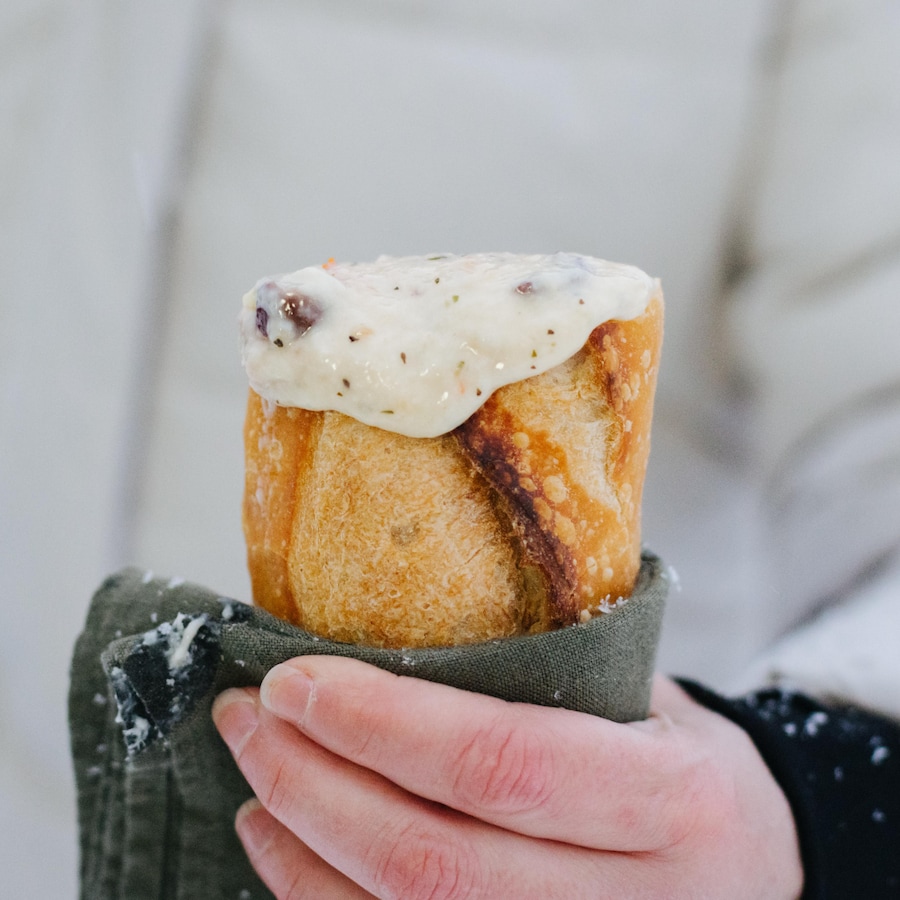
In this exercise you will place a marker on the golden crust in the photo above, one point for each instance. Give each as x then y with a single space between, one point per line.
524 517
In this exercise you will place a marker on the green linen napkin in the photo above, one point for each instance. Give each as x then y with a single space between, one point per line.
157 788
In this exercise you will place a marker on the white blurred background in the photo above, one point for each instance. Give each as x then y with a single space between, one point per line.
158 158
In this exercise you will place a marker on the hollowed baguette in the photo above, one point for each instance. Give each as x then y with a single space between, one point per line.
523 519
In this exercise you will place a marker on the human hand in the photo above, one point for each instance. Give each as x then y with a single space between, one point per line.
370 784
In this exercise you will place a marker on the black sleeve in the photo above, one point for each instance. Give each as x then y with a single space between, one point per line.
839 768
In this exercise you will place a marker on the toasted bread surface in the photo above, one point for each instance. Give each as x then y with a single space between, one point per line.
525 518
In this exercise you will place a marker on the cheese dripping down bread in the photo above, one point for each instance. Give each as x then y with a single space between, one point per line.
447 450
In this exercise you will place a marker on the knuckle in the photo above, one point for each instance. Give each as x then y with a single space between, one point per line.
691 801
418 864
275 792
299 888
503 768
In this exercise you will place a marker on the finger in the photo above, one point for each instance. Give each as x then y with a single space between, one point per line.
288 867
392 843
518 766
669 706
671 701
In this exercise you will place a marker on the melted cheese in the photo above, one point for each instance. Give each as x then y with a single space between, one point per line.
415 345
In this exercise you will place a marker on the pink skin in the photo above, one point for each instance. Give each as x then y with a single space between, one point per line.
370 784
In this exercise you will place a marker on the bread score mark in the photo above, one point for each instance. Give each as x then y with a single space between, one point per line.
488 441
569 478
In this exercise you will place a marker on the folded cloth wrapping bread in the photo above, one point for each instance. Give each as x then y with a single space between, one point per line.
157 788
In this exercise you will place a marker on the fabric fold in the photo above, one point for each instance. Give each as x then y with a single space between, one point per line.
157 788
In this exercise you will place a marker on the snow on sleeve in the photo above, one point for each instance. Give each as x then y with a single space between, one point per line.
849 654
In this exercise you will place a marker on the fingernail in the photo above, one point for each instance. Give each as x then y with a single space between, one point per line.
287 692
236 717
254 827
